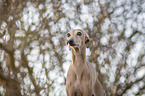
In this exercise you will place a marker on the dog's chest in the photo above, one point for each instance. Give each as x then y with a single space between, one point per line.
79 77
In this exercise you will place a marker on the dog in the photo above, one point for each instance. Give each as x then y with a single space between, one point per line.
81 77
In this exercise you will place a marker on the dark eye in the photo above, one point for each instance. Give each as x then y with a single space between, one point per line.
79 33
68 34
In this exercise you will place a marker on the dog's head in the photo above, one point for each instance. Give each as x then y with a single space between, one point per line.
77 38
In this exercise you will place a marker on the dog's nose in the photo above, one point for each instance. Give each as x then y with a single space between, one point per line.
71 41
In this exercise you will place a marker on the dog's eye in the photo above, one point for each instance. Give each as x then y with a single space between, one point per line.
79 33
68 34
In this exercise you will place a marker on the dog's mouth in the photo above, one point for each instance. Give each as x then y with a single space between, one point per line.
73 45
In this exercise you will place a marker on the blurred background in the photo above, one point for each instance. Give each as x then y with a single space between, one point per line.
34 57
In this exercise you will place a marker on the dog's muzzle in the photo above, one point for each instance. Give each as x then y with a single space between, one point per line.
72 43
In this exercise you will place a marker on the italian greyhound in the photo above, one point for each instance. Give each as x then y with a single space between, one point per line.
81 77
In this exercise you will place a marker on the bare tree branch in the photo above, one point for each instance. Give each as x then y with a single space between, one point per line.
12 85
129 85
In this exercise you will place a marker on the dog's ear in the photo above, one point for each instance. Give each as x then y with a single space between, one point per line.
87 40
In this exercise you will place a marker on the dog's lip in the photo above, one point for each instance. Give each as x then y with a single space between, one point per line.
74 45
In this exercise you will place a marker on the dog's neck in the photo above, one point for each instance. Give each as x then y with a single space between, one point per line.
79 56
78 60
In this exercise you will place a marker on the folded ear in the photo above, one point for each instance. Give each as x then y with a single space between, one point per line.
87 40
